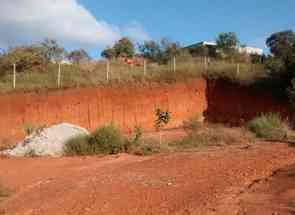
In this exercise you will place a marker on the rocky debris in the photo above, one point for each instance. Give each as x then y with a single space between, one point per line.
47 142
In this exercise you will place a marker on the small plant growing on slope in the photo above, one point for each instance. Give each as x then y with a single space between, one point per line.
162 118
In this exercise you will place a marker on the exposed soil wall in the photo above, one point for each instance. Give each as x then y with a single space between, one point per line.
133 105
125 105
234 104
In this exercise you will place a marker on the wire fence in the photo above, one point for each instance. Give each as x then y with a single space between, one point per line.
103 72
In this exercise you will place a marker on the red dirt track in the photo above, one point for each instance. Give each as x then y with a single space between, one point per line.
206 182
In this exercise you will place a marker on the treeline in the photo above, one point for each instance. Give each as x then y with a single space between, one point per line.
37 56
162 51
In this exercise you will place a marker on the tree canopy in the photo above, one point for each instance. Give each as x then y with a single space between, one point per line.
78 56
122 48
227 43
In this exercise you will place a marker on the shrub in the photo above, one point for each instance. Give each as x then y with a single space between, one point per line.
105 140
268 125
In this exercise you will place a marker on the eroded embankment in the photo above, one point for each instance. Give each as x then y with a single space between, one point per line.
124 105
235 104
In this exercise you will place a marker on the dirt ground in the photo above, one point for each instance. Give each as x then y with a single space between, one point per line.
233 180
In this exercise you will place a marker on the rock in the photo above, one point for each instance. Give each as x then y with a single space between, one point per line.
48 142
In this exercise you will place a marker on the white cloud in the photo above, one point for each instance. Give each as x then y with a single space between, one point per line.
136 32
26 21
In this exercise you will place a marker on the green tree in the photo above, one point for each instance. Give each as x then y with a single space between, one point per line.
26 57
78 56
52 51
108 53
124 48
281 44
227 43
160 52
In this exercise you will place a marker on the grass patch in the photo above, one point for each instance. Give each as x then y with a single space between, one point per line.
212 135
94 73
269 126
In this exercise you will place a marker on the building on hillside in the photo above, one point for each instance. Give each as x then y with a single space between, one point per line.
210 49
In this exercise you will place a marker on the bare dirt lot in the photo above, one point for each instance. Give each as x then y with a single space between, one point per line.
233 180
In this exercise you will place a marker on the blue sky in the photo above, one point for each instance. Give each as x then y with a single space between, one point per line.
93 24
189 21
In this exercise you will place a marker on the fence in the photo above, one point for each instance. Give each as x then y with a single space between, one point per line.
94 73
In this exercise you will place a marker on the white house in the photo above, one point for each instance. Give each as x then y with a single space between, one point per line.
247 49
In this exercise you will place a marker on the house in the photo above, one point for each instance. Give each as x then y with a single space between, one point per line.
211 48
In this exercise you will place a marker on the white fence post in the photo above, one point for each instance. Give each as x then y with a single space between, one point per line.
174 64
14 76
59 76
238 69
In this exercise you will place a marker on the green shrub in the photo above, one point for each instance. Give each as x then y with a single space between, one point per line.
105 140
268 125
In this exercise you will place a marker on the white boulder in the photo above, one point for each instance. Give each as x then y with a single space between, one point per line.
48 142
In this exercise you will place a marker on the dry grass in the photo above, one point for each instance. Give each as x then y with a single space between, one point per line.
213 135
93 74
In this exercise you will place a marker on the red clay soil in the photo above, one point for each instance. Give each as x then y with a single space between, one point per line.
206 182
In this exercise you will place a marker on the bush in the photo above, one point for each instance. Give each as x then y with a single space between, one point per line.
269 126
105 140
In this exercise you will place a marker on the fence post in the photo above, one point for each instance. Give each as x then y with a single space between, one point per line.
59 75
174 64
238 70
108 70
144 68
14 76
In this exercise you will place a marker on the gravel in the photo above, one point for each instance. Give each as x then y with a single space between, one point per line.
48 142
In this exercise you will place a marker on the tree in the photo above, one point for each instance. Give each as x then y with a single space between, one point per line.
25 57
150 50
52 51
122 48
108 53
78 56
281 44
160 52
227 43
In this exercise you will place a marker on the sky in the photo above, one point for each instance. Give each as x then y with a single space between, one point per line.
96 24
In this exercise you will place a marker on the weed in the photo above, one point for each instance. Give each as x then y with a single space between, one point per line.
269 126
